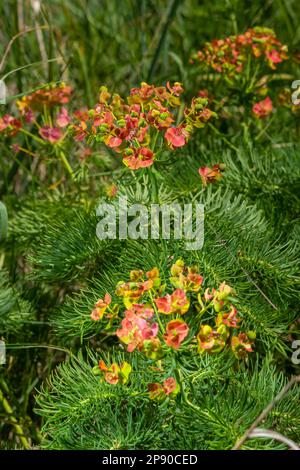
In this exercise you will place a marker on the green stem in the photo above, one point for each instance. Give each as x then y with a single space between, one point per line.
180 380
153 182
67 164
156 312
35 137
204 309
223 137
14 421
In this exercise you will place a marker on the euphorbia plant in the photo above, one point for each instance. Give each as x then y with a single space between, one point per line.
163 319
145 127
43 120
150 120
240 65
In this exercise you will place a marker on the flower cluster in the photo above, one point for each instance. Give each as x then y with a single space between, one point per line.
10 125
139 127
231 54
114 373
44 109
263 108
49 96
211 175
162 318
159 391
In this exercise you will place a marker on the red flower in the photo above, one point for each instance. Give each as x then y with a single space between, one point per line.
29 116
164 304
242 344
274 57
210 340
100 307
176 136
63 118
228 318
115 374
80 131
141 157
175 303
159 391
210 175
169 385
135 329
176 331
52 134
176 89
263 108
10 125
114 142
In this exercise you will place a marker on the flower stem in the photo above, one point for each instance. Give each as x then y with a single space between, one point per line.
67 164
180 380
156 312
35 137
13 420
154 188
233 147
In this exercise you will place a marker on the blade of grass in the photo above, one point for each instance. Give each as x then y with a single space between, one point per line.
170 13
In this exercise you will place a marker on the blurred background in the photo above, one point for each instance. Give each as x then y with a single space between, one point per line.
121 43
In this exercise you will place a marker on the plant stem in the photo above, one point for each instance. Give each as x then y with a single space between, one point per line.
156 312
233 147
14 421
35 137
153 182
67 164
181 383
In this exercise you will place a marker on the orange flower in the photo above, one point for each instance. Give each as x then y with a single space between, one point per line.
176 136
174 303
263 108
211 175
100 308
228 318
139 158
52 134
242 344
210 340
176 332
115 374
159 391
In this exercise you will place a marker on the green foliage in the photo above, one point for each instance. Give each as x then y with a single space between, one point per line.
53 268
15 312
100 416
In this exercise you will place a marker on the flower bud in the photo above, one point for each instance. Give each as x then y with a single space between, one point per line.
251 334
96 370
164 115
